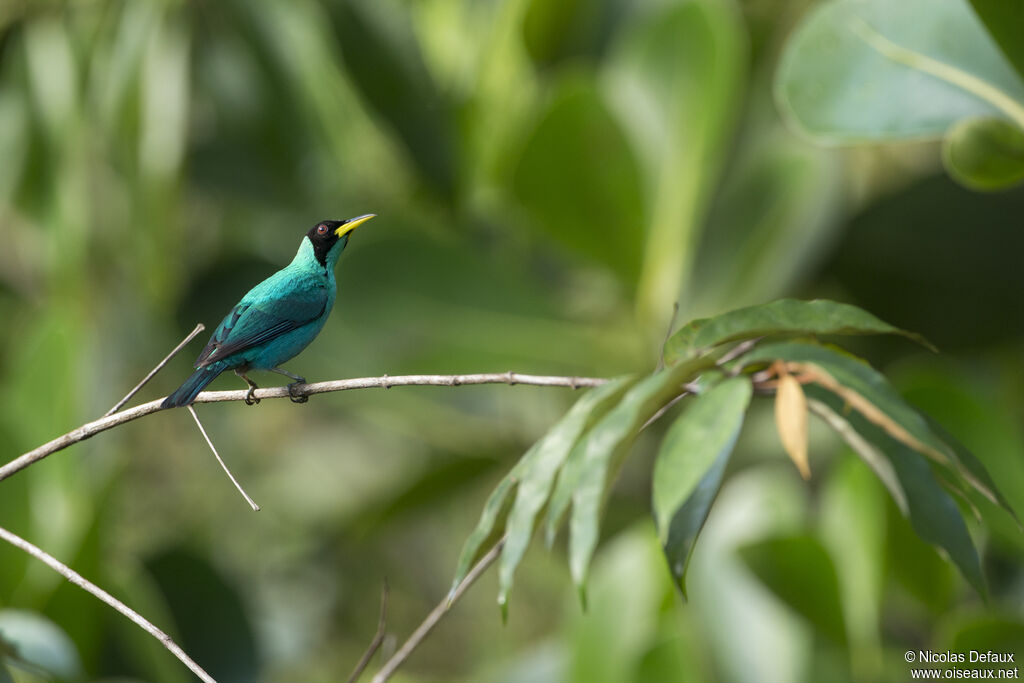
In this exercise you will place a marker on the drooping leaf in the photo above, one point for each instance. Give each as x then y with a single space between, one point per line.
984 153
791 421
800 572
537 475
783 317
870 393
689 467
857 70
1005 22
591 466
495 509
932 512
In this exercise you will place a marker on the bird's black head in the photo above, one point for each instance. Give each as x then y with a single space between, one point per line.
326 235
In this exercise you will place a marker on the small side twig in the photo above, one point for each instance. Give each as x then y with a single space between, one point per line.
424 629
213 448
86 585
378 637
167 359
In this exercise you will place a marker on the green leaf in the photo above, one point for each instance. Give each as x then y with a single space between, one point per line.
1005 23
858 70
984 153
932 512
495 509
674 79
869 393
784 316
578 179
593 462
800 572
689 467
539 467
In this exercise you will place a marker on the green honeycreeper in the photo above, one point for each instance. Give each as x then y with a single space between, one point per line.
277 319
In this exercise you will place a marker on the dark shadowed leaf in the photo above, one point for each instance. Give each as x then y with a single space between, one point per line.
800 572
785 316
689 467
538 474
984 153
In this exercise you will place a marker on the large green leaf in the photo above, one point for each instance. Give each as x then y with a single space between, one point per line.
985 153
799 570
858 70
591 465
1004 20
932 512
785 316
578 179
689 467
674 80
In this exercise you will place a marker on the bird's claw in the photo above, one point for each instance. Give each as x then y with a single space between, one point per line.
296 398
251 400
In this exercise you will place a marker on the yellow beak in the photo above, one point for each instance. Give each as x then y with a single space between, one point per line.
353 223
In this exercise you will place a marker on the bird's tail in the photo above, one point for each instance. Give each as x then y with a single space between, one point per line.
187 392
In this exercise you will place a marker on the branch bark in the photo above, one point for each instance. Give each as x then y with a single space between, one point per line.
93 428
86 585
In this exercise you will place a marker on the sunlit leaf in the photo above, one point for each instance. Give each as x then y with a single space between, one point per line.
985 153
537 476
858 70
791 421
781 317
689 467
800 572
674 79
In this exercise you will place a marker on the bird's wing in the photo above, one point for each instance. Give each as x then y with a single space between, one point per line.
263 314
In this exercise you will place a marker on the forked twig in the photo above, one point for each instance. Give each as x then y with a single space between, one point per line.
86 585
159 366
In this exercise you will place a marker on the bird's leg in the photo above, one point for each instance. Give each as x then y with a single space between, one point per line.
250 400
298 380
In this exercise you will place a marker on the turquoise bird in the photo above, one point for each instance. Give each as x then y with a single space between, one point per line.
277 319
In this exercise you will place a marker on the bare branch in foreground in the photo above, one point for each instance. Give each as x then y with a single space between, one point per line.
108 422
378 637
250 501
86 585
167 359
424 629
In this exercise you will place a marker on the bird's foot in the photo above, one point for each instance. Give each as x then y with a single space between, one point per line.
251 400
297 398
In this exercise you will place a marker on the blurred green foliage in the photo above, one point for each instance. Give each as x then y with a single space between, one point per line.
551 177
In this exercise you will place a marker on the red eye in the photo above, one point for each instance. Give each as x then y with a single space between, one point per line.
321 230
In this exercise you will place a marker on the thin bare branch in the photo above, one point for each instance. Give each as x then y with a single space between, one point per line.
93 428
424 629
378 637
209 442
174 352
86 585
